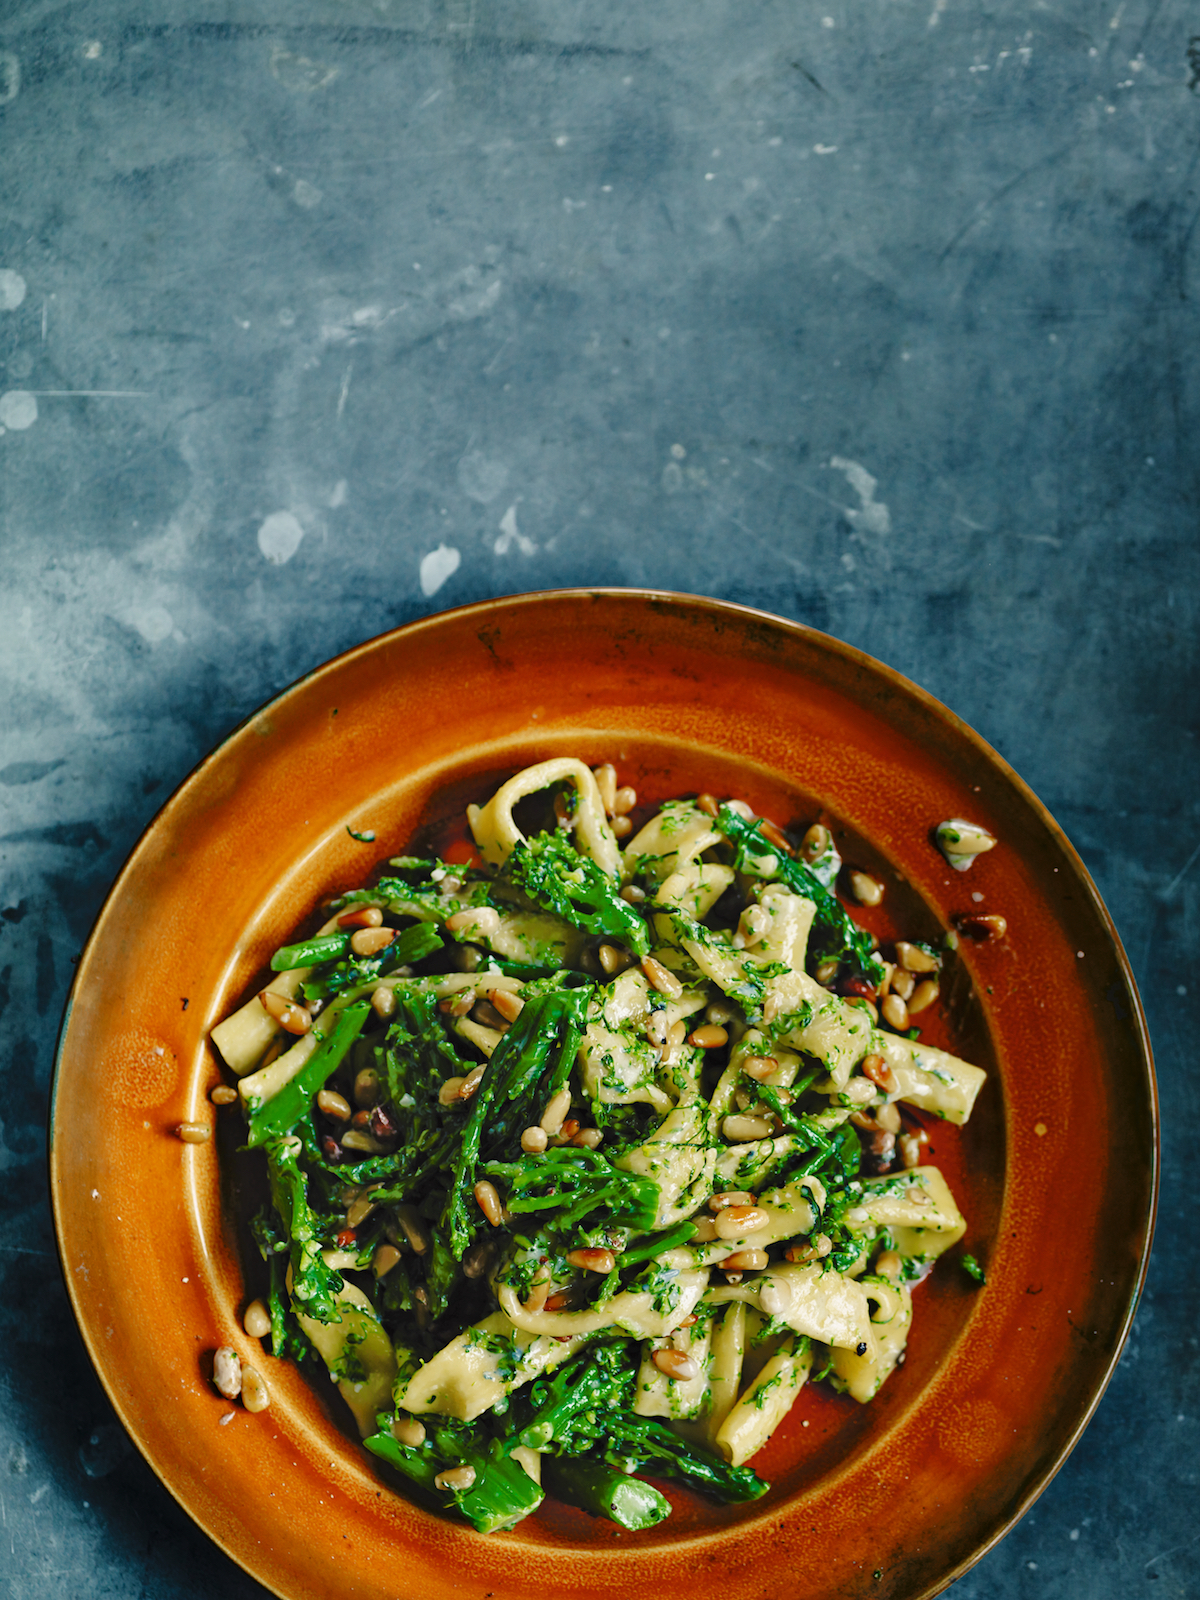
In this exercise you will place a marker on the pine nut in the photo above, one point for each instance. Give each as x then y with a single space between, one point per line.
888 1118
357 1140
708 1037
458 1478
613 959
658 977
622 827
383 1001
255 1394
477 1262
451 1091
508 1004
909 1147
384 1259
568 1130
923 996
816 842
676 1034
588 1139
592 1260
256 1320
534 1141
624 800
719 1012
961 841
739 1129
457 1005
227 1372
889 1265
746 1261
366 1088
759 1067
606 782
552 1118
193 1132
868 891
539 1293
709 804
488 1202
814 1250
880 1074
471 1082
734 1221
861 1003
980 926
370 941
359 1210
408 1432
741 809
827 971
361 917
733 1277
633 895
903 983
913 959
289 1014
223 1095
415 1228
675 1365
731 1197
895 1012
776 837
486 1015
333 1104
482 921
706 1230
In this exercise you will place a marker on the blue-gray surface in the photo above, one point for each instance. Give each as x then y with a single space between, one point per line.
317 317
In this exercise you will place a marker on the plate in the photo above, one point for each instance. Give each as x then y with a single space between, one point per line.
1056 1171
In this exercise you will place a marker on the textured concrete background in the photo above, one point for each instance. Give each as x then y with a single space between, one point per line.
318 317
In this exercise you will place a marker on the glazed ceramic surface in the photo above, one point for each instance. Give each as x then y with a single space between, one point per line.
1055 1172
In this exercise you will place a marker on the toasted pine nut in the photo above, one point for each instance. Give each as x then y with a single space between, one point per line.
416 1230
709 804
719 1012
273 1004
775 837
613 959
223 1095
675 1365
534 1141
606 782
592 1260
408 1432
485 1013
359 1209
660 978
708 1037
633 895
736 1221
370 941
361 917
731 1197
459 1478
488 1201
539 1293
508 1004
961 841
255 1394
624 800
909 1147
384 1259
759 1067
746 1261
555 1113
888 1265
450 1092
895 1012
588 1139
357 1140
383 1001
923 996
193 1132
742 809
739 1129
333 1104
568 1130
676 1034
868 891
827 971
888 1118
861 1003
622 827
457 1005
880 1074
816 842
980 925
913 959
227 1372
903 983
480 921
256 1320
472 1081
706 1230
366 1089
292 1017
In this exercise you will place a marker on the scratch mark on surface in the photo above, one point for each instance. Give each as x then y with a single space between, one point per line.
1166 895
1001 193
345 390
96 394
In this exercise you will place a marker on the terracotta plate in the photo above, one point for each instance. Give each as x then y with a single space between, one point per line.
1056 1171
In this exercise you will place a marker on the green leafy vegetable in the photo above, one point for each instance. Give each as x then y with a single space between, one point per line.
555 876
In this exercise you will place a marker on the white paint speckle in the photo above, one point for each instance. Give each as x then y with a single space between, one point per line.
95 1194
437 566
279 537
510 534
10 77
93 50
678 452
18 409
1181 988
12 289
825 149
481 477
561 139
338 496
1074 1535
154 623
873 515
306 194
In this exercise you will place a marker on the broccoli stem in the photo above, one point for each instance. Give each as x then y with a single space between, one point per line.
311 952
604 1491
280 1114
501 1495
